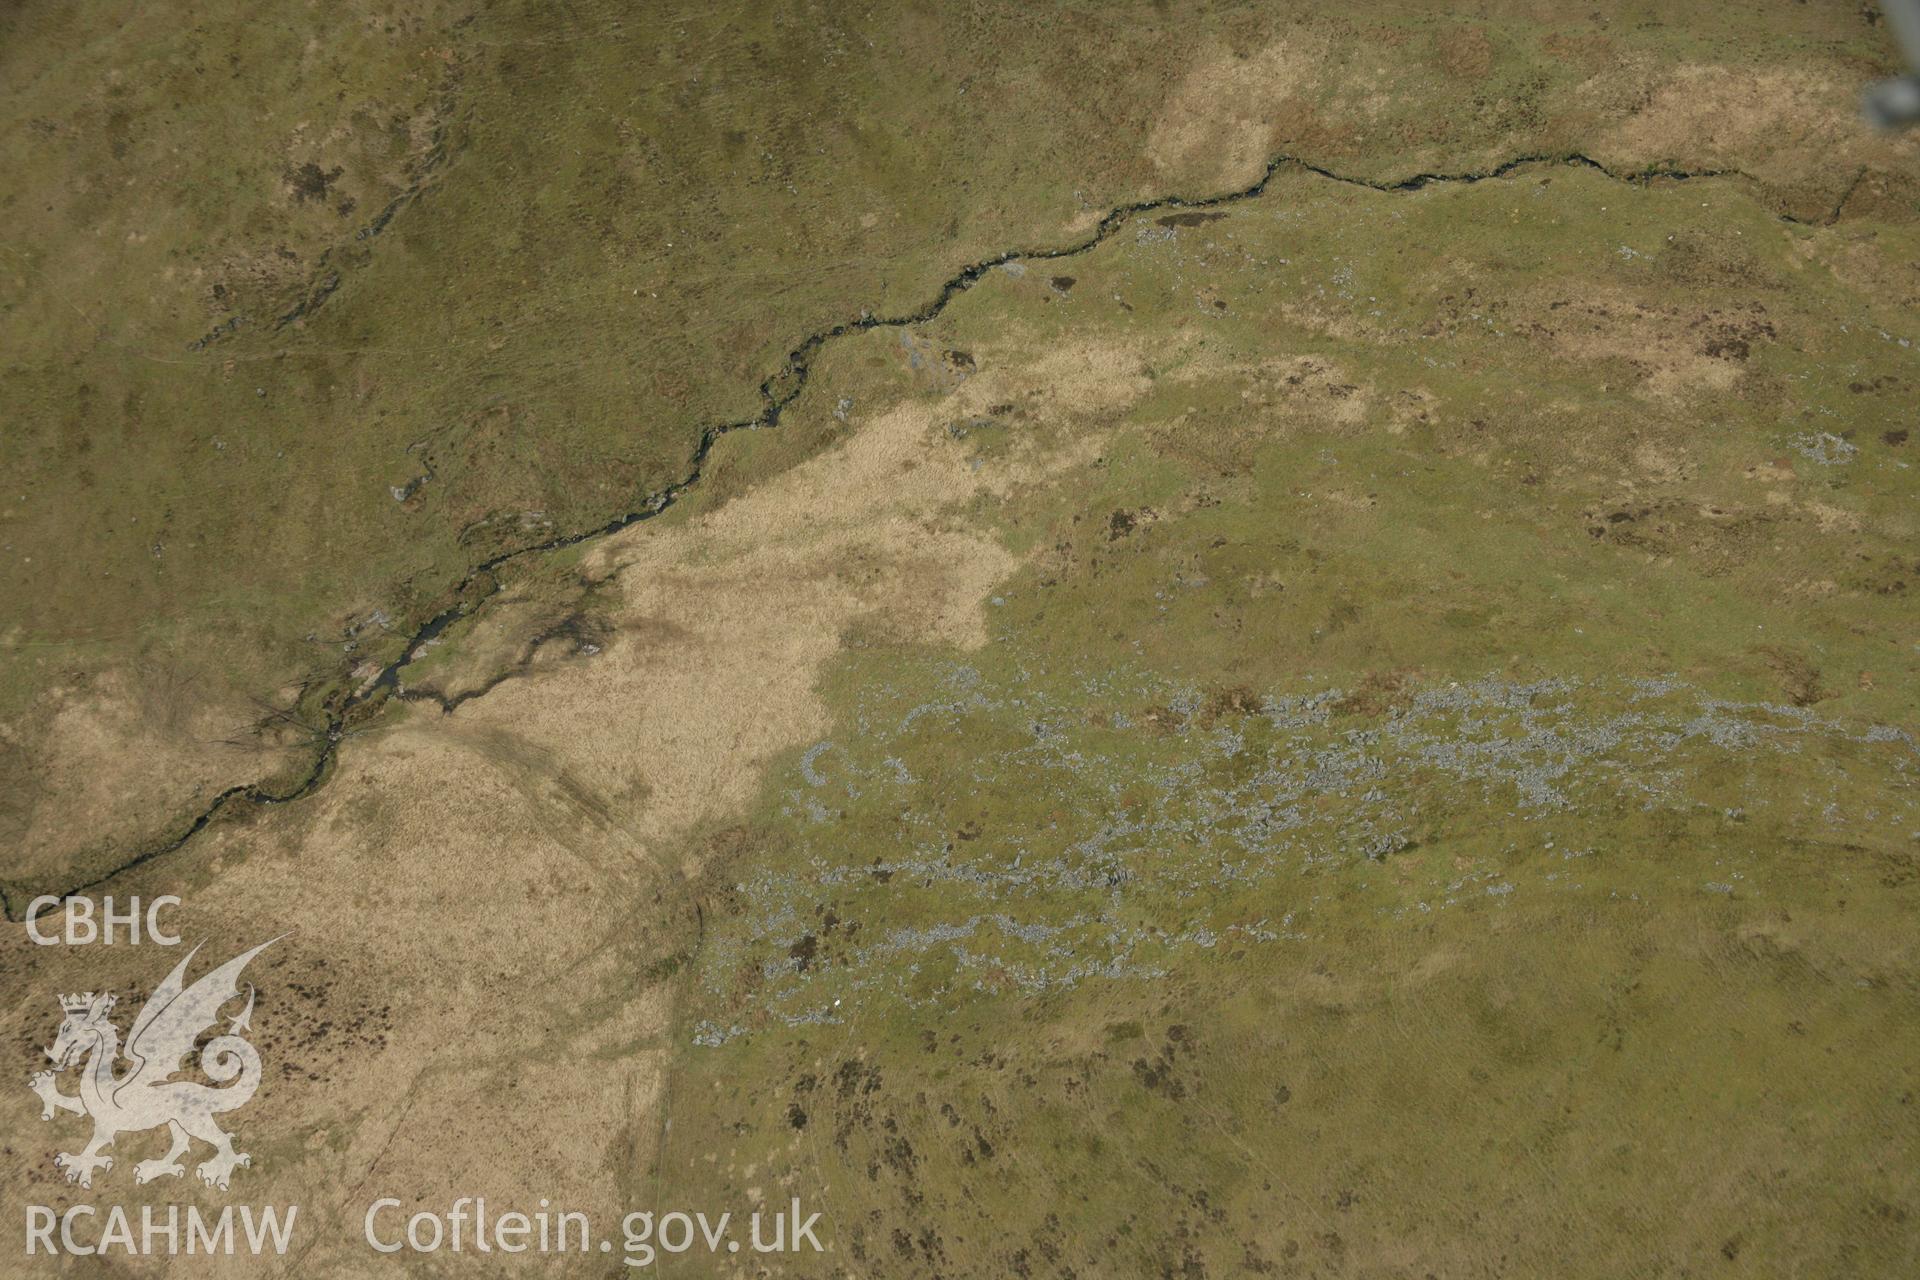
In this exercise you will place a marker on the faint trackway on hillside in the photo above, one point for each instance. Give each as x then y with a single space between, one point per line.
777 392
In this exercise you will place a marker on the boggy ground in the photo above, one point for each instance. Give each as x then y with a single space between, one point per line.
1436 797
1351 733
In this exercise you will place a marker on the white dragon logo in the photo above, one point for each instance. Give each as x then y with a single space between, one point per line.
146 1096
